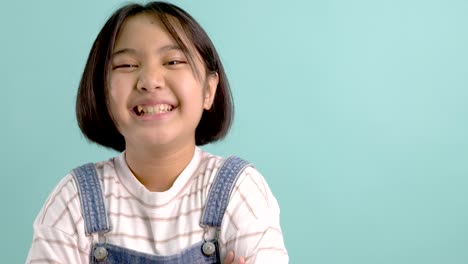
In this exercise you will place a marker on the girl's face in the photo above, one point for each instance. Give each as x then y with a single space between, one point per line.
153 94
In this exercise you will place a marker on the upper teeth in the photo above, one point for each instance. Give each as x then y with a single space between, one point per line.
156 109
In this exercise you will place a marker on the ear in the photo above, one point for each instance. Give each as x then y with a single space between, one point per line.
210 90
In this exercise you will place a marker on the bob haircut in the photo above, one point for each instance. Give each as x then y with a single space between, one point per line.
92 111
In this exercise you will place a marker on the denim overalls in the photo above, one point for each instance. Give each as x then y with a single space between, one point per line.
96 219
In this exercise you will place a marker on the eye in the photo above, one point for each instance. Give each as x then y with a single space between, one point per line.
126 66
175 62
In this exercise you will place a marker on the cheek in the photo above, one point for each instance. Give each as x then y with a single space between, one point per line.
112 100
116 95
189 90
112 107
117 90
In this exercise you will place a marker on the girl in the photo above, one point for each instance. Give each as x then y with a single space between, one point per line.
154 89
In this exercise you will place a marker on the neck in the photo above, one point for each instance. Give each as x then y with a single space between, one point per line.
158 170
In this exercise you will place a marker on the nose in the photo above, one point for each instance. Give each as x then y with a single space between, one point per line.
150 79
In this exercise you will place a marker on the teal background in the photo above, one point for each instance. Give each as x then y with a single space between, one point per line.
354 111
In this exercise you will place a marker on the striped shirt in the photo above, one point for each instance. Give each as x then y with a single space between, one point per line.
161 223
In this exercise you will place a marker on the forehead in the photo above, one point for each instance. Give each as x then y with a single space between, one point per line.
142 29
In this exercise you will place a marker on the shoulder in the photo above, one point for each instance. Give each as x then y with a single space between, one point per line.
251 223
210 164
62 209
61 197
252 193
250 188
59 226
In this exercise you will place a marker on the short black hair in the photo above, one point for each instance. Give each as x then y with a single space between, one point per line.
92 111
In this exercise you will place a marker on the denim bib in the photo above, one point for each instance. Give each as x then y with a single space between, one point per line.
96 219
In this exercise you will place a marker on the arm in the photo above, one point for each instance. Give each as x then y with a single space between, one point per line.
50 245
251 225
56 238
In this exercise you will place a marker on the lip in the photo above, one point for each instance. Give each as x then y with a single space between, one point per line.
152 103
148 102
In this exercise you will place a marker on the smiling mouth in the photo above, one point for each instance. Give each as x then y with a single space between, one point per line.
142 110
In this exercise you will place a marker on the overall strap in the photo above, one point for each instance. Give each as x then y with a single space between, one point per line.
220 191
92 200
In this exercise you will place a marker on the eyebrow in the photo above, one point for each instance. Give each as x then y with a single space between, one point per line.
134 52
